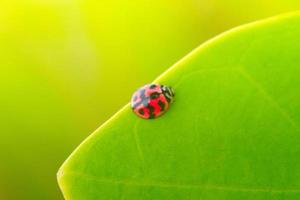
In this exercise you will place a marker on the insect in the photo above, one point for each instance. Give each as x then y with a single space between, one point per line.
152 100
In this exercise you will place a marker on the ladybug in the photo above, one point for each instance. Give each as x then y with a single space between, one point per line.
152 100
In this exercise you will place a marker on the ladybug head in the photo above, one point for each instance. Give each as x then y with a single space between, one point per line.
168 93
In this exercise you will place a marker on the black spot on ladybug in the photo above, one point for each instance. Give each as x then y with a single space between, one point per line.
162 105
152 86
151 109
141 111
151 112
154 95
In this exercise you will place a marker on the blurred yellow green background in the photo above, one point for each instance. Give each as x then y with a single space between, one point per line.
68 65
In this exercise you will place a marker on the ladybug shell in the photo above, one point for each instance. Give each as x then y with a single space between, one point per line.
151 101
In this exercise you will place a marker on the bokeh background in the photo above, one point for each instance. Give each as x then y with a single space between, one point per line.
67 65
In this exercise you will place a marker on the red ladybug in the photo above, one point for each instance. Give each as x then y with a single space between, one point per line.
152 100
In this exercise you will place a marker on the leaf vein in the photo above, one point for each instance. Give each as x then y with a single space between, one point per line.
161 184
271 99
137 143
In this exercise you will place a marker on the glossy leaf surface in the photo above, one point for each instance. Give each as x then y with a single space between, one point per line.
232 133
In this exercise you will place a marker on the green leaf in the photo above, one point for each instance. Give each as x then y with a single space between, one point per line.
233 131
